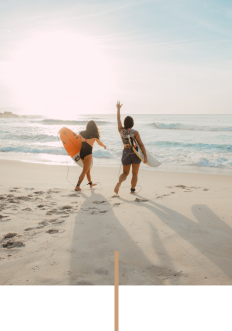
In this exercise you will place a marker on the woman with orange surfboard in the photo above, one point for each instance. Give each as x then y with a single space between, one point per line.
88 138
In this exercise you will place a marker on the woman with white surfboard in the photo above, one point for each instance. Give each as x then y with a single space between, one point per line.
129 157
88 138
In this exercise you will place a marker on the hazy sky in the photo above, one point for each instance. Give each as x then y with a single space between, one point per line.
82 56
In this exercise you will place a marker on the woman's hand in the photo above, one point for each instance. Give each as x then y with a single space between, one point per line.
145 159
118 105
104 146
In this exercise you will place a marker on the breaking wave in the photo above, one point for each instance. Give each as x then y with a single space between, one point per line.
68 122
35 150
50 150
179 126
196 146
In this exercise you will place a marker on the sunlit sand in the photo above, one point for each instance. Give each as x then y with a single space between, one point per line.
176 230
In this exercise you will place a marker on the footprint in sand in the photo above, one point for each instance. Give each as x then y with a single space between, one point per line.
53 191
51 231
27 209
99 202
10 196
41 206
13 201
99 212
57 221
117 204
39 192
1 217
44 223
24 198
66 207
181 186
12 244
141 200
88 208
10 235
57 212
36 228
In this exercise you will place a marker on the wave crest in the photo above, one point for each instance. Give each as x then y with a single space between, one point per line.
68 122
189 127
51 150
196 146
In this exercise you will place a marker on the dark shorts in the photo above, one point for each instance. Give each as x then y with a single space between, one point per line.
129 157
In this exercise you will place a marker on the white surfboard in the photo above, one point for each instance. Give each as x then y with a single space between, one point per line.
151 160
78 161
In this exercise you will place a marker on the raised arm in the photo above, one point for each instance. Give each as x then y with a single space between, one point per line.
137 137
119 117
100 143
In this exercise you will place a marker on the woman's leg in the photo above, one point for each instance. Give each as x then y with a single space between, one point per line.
86 166
89 178
123 176
135 170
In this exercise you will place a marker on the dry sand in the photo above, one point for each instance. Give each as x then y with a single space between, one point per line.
176 231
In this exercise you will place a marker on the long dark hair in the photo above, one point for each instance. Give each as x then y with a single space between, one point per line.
128 122
92 130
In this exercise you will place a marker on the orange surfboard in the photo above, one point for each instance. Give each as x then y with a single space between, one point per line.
71 141
72 144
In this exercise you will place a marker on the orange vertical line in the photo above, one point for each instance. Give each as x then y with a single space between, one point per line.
116 290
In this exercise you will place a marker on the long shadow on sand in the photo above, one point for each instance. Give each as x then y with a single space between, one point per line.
97 234
199 234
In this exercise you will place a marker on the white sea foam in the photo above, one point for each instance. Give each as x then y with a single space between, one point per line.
102 154
173 139
179 126
68 122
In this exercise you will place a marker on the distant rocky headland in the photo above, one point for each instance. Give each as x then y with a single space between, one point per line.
8 114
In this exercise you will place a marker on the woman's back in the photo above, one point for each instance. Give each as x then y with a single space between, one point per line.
124 135
89 137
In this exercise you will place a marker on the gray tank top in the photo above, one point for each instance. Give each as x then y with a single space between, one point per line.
124 135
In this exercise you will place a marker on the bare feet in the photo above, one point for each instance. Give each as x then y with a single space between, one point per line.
116 189
77 188
132 192
92 185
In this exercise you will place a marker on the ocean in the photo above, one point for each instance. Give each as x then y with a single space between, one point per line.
198 143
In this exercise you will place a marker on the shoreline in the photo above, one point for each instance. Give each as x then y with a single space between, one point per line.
66 161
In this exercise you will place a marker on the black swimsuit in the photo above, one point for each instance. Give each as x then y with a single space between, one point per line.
86 148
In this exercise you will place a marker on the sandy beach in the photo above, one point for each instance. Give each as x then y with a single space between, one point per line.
175 231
